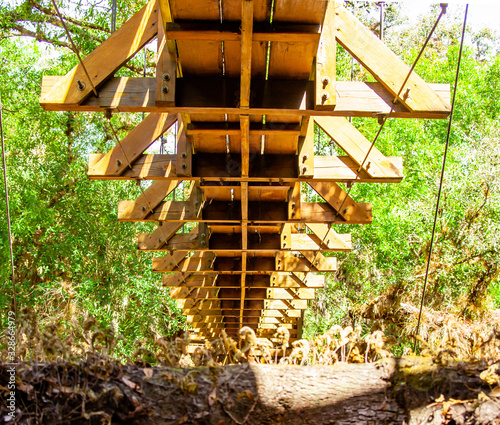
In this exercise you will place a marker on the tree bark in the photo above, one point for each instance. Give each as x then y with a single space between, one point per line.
392 391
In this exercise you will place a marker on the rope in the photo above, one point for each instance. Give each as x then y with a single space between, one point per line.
75 49
442 174
8 213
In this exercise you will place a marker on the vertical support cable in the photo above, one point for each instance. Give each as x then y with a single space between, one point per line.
8 213
442 175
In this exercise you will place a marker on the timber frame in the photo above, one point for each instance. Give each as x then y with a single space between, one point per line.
246 87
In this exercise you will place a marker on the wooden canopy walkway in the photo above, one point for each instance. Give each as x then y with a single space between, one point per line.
246 81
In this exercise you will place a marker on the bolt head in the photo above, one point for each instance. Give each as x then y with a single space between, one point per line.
183 155
164 89
165 76
184 165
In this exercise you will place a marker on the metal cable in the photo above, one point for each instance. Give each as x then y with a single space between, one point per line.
75 49
108 118
358 171
442 174
8 213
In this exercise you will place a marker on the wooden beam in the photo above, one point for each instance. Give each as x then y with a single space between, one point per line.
232 243
325 68
166 64
260 32
294 202
384 65
342 203
184 162
270 213
148 200
272 97
326 168
246 52
106 59
306 149
117 160
357 146
199 261
328 237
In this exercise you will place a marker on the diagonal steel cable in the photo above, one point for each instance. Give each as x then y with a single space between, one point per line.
442 175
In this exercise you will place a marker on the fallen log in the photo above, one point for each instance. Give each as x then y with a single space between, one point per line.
391 391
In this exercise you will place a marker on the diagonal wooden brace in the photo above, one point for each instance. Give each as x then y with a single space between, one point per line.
106 59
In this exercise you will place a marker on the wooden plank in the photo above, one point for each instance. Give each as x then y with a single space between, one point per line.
225 216
319 261
329 237
358 147
342 203
306 150
199 261
384 65
305 241
286 236
148 200
246 55
215 96
170 260
297 280
160 236
325 66
107 58
166 64
133 145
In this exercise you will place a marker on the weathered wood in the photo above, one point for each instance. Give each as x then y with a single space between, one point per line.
391 391
216 96
385 66
106 59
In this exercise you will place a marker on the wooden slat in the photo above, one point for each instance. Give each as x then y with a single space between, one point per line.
279 97
160 236
384 65
357 146
133 145
106 59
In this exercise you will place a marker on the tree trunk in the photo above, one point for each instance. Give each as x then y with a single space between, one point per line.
393 391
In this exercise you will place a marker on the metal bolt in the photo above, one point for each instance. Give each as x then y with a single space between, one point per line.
80 85
326 81
164 89
345 210
325 96
203 236
184 155
165 76
203 243
118 162
160 240
304 158
170 263
284 236
284 244
304 170
184 165
143 208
